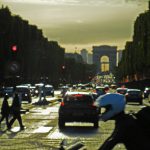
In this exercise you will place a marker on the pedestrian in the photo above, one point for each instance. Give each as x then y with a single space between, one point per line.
16 112
5 110
129 130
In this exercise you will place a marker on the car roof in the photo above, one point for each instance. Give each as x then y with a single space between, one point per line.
8 87
138 90
77 92
100 87
48 85
22 86
39 84
122 89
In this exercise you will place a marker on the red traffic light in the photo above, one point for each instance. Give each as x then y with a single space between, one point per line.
14 48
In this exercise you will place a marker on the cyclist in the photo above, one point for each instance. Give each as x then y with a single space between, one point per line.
129 129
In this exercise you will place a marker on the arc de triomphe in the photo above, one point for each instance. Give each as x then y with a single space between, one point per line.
107 51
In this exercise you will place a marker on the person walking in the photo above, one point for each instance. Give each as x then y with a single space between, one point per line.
5 110
15 110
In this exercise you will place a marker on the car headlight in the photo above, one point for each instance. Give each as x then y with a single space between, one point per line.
36 91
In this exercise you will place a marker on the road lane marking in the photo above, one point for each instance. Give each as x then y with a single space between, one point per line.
42 129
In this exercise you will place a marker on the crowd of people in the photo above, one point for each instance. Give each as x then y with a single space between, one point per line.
13 112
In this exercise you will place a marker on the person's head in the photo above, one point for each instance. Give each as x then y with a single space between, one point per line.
113 104
6 96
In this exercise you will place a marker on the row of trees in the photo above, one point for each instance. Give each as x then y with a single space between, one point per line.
25 53
35 55
135 62
77 71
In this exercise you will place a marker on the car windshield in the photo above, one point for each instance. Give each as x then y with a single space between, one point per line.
78 98
122 91
134 92
8 88
22 90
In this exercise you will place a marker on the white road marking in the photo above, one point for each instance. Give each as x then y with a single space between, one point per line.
42 129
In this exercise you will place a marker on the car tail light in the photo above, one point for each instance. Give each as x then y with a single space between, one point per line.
62 103
93 105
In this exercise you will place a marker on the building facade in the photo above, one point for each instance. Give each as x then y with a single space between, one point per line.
84 54
105 58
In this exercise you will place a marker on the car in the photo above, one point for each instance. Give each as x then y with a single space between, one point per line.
134 95
32 89
47 88
78 107
25 93
1 91
146 92
8 90
63 90
113 86
121 90
100 90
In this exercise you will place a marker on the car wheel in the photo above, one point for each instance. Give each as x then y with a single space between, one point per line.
29 101
61 124
96 124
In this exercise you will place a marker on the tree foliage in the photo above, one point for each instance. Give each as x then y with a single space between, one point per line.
135 63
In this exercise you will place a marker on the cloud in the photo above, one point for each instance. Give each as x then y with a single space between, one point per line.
43 2
83 22
76 2
91 32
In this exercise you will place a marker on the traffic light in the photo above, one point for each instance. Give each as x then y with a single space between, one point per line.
14 48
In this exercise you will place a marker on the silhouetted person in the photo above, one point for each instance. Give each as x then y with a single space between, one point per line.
130 130
15 110
5 110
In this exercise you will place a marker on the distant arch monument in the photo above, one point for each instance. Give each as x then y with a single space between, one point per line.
105 58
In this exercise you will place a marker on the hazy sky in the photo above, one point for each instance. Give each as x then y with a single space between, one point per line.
78 24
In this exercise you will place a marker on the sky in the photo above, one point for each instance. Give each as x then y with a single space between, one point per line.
81 24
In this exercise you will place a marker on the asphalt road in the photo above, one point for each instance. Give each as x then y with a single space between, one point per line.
42 131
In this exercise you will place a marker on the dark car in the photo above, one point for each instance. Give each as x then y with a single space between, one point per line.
78 107
1 91
122 91
63 90
100 90
8 91
32 89
146 92
134 95
25 93
48 89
